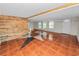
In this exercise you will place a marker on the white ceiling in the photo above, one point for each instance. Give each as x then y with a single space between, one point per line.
28 9
59 15
24 9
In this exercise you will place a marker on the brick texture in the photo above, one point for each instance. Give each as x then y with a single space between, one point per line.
12 27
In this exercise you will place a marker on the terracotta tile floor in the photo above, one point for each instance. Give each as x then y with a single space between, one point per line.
60 46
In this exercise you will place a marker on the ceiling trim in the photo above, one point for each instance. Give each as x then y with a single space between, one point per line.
53 10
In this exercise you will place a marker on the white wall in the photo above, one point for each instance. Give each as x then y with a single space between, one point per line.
74 27
57 27
71 27
66 26
35 25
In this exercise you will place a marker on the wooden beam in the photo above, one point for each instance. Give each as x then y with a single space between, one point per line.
53 10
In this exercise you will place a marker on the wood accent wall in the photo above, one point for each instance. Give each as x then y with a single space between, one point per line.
12 27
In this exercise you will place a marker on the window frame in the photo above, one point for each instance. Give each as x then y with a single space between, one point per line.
51 25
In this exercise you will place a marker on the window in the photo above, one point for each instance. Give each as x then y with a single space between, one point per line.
44 25
51 24
40 25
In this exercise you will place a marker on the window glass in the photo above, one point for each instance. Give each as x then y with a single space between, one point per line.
44 25
51 24
39 25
